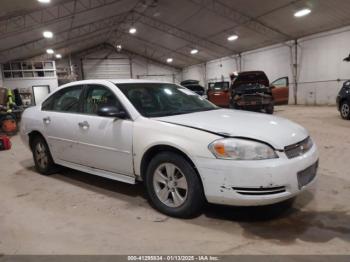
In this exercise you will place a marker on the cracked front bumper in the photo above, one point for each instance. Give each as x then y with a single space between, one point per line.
254 183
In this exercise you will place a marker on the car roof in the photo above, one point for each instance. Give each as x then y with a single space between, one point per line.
131 81
114 81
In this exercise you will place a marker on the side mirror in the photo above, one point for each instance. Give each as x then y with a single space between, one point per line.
111 111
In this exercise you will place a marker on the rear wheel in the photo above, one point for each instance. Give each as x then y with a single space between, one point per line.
173 186
345 110
42 156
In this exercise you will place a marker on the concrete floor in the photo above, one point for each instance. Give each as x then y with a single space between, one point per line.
77 213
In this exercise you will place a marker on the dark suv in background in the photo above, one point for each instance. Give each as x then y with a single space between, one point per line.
343 100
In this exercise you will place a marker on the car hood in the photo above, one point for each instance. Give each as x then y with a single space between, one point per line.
276 131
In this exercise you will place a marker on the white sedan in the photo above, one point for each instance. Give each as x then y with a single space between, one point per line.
185 149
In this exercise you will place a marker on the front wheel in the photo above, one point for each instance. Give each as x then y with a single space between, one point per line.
345 110
269 109
173 186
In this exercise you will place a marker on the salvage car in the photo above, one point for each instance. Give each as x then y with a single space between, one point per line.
251 90
185 149
343 100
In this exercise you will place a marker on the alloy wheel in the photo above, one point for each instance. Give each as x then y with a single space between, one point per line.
345 110
41 155
170 185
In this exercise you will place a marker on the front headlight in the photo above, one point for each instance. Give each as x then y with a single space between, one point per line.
241 149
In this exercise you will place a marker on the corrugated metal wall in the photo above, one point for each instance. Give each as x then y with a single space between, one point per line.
111 68
105 64
164 78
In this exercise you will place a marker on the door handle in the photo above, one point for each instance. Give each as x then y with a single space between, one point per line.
84 125
47 120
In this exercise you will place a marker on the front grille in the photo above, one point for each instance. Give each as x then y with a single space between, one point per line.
307 175
299 148
259 191
251 97
254 99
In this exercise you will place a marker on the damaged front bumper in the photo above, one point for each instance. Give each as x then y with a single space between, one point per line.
252 100
254 183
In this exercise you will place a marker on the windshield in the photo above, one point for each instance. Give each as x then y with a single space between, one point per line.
162 99
219 86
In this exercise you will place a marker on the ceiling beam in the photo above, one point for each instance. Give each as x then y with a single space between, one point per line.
232 14
52 14
190 37
56 45
135 53
162 51
67 34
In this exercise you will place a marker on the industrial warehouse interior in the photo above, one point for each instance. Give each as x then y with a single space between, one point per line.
175 129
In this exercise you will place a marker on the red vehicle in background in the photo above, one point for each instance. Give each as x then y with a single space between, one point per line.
250 90
219 93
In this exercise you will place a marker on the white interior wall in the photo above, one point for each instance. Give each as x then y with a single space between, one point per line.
320 62
143 68
25 83
273 60
321 66
1 81
220 69
196 72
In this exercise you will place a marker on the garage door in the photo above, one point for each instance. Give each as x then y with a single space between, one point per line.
106 68
166 78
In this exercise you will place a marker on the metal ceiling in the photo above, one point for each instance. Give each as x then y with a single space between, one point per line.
165 28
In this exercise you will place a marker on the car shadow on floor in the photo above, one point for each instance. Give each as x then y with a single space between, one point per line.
100 184
284 222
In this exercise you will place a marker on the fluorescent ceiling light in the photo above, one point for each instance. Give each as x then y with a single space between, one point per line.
169 60
50 51
44 1
132 30
47 34
58 56
194 51
302 12
232 37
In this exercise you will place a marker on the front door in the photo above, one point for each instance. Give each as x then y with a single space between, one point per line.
105 143
280 91
219 94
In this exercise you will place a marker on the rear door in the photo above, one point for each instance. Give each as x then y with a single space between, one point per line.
280 91
59 114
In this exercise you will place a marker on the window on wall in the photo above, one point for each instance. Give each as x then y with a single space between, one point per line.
29 69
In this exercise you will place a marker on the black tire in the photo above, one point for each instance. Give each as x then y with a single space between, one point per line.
345 110
194 200
45 167
235 106
269 109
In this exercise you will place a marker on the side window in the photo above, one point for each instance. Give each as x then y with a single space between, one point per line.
98 96
282 82
66 100
47 104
